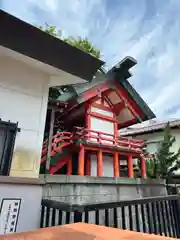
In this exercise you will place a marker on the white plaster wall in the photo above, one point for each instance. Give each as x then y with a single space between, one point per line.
158 136
30 208
108 170
105 127
93 165
102 112
102 126
23 99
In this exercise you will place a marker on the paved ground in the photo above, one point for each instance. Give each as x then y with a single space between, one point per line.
81 231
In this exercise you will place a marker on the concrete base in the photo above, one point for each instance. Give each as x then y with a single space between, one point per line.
89 190
28 193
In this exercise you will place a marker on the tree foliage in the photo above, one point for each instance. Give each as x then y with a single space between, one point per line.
51 30
164 162
82 43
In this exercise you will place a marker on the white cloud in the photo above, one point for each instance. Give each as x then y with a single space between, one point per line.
147 30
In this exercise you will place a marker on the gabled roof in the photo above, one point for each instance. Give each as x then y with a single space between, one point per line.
28 40
119 74
152 127
121 69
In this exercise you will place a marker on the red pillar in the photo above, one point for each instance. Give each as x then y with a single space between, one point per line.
116 165
81 161
143 167
130 167
99 164
69 166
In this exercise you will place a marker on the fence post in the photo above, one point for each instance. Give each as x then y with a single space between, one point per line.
176 207
42 216
77 216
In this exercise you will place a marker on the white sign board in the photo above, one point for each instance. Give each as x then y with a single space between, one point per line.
9 213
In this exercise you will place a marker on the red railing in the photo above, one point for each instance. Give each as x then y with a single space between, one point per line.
108 139
62 139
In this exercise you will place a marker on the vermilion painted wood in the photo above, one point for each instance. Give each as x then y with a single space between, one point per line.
115 141
131 104
58 138
130 167
99 163
93 92
55 149
81 161
107 149
86 134
102 117
116 164
101 106
58 166
119 107
64 144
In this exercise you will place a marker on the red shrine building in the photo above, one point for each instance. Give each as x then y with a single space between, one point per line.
81 134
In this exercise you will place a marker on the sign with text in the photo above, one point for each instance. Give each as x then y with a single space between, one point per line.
9 213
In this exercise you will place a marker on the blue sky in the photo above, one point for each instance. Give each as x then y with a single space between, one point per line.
148 30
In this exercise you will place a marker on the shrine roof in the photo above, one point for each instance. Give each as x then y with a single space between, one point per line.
120 73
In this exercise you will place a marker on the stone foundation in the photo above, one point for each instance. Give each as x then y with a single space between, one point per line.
89 190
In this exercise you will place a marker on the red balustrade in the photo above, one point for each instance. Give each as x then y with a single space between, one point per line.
108 139
79 133
63 138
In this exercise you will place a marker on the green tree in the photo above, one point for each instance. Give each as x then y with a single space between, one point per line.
82 43
51 30
164 162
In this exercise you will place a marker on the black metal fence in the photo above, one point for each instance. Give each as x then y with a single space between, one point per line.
160 215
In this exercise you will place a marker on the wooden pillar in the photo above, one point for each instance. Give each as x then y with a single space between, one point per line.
69 166
115 130
116 165
99 164
81 161
143 167
87 119
51 130
130 167
88 165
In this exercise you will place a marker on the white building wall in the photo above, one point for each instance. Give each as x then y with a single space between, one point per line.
157 137
93 165
23 99
102 112
108 170
104 126
153 140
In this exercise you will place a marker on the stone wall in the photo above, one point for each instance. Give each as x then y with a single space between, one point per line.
88 190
